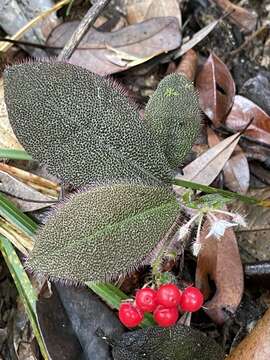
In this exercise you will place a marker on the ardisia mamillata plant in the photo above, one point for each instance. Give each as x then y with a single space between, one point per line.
88 133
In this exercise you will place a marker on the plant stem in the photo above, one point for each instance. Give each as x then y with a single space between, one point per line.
161 252
88 20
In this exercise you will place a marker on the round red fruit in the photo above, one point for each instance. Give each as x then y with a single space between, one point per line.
168 295
146 299
165 316
129 315
191 300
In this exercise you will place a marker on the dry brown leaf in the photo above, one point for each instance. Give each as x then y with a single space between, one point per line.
100 52
236 169
34 200
220 261
140 10
7 137
46 186
197 37
242 112
244 18
254 238
188 65
206 167
216 89
19 239
255 346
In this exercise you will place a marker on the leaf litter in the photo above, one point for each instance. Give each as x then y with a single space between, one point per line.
222 107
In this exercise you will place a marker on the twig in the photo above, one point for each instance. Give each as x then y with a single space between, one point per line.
88 20
249 39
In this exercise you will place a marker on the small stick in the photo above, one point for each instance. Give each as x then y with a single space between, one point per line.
249 39
88 20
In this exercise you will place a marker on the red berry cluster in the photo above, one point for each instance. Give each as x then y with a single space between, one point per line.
165 304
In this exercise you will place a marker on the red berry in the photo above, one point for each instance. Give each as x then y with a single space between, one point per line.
146 299
130 315
192 299
168 295
165 316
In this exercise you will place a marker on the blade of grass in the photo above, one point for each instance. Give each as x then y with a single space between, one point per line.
25 289
227 194
10 212
113 296
14 154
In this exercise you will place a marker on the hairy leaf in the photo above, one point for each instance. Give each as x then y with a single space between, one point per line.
173 115
80 125
104 231
174 343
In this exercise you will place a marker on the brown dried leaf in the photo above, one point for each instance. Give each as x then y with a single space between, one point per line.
236 169
197 37
188 65
102 52
216 89
220 261
242 112
254 238
206 167
244 18
34 200
140 10
45 186
255 346
7 137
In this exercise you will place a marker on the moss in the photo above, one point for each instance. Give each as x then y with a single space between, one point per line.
173 115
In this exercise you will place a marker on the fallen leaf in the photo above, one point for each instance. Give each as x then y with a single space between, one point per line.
256 345
140 10
220 261
140 41
206 167
236 169
199 36
216 89
254 239
7 137
244 18
45 186
242 112
19 239
19 191
188 65
259 172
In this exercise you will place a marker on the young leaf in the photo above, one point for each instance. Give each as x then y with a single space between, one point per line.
173 115
103 232
80 125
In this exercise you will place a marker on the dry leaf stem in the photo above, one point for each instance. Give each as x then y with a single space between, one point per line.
88 20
